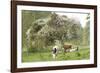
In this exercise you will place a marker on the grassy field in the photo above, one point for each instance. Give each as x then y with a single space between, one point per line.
82 54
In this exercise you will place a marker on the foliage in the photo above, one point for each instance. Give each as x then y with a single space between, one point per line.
86 31
42 29
28 17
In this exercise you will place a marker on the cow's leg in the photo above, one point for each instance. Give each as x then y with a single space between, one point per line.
54 56
64 51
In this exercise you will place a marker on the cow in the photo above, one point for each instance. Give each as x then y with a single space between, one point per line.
74 49
54 51
67 48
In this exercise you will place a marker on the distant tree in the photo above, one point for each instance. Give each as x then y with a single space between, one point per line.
86 31
28 17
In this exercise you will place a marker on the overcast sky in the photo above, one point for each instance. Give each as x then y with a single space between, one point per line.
77 16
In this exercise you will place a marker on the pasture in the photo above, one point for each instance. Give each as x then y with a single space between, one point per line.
82 54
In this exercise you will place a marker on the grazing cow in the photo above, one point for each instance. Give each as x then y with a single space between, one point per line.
54 51
74 49
67 48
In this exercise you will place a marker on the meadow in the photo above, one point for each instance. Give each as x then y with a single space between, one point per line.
82 54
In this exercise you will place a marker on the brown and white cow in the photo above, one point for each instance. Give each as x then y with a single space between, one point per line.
67 48
70 48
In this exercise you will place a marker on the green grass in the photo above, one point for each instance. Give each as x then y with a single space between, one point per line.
82 54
